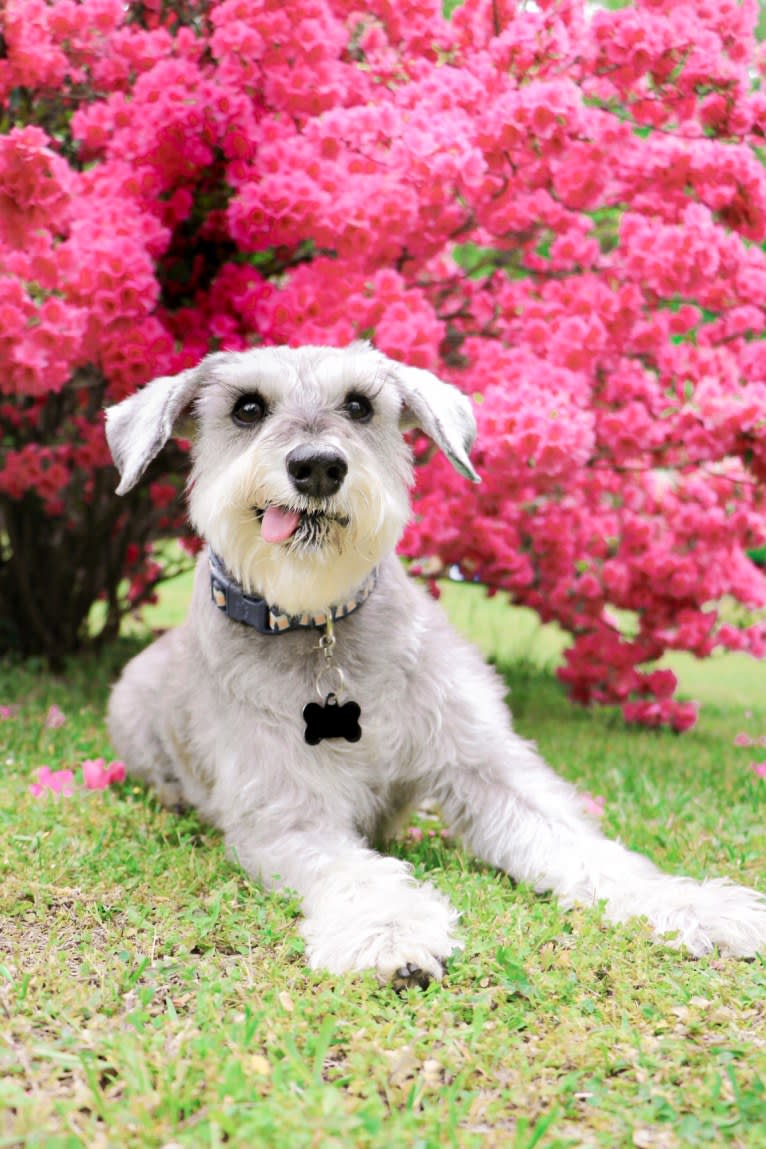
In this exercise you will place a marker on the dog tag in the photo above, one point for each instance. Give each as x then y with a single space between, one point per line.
330 720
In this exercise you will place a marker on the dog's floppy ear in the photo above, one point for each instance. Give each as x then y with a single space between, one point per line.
440 410
139 427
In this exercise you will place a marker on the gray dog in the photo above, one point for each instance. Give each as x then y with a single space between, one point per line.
315 693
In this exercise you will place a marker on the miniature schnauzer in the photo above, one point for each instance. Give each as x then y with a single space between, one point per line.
315 693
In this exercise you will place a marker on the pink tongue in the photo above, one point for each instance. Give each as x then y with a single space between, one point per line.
278 524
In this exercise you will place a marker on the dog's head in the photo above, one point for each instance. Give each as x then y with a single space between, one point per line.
300 474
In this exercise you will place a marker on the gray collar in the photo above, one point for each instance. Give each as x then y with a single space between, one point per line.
253 611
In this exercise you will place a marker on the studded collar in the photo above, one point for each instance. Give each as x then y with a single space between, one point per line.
253 611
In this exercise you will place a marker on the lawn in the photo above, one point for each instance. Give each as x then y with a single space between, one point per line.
151 995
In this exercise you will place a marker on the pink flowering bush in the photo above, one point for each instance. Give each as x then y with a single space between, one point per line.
559 209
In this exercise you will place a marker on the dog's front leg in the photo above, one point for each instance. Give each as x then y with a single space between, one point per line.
361 910
515 813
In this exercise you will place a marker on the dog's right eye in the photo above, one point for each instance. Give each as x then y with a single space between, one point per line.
358 407
248 410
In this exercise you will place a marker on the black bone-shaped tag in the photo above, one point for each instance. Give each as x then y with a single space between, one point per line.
332 721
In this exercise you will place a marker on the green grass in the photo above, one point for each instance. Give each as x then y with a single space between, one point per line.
151 995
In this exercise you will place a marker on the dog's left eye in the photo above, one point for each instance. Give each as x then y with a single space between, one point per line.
248 410
358 407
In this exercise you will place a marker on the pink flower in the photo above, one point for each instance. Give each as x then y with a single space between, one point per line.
7 712
743 739
98 776
759 769
52 781
54 718
593 804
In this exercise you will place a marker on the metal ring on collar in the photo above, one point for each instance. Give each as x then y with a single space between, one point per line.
330 680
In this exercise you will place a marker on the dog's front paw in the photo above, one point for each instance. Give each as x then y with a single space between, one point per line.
730 918
702 916
405 935
411 976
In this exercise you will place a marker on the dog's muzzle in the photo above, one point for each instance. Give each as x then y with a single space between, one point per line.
316 476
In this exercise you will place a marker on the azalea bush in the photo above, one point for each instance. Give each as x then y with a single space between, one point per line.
558 208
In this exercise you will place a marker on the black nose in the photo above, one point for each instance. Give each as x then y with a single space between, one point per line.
316 473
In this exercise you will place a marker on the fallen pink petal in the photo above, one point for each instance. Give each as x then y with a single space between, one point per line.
759 768
97 775
52 782
117 771
593 804
54 718
94 774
